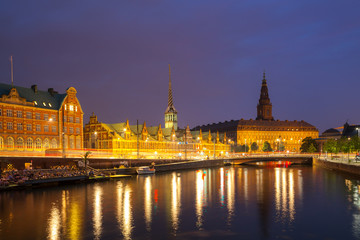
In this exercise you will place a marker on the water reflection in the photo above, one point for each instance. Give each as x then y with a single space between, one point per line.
97 217
124 209
175 201
353 187
200 201
147 202
221 190
54 223
230 193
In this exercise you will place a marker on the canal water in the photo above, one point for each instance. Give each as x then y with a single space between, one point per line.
216 203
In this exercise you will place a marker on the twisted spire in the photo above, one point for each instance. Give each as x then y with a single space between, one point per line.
170 98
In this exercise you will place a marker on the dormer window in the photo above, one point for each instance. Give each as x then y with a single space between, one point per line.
35 103
50 104
44 104
65 107
75 108
71 108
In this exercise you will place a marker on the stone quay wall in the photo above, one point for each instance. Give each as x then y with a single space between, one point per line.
339 166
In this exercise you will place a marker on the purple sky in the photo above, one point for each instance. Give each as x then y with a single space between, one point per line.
116 54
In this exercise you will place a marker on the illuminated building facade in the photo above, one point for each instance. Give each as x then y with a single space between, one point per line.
131 141
281 135
32 120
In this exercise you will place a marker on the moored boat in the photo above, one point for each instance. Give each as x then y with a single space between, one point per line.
145 170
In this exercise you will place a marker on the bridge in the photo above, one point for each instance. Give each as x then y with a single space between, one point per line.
272 157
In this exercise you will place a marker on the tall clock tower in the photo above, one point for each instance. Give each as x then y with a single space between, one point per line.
264 107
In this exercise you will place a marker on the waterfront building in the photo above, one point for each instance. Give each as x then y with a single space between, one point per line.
131 141
281 135
32 120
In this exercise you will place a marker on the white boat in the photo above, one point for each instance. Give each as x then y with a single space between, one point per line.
145 170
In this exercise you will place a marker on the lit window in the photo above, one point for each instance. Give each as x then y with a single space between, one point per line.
65 107
10 125
28 127
35 103
9 113
53 117
50 105
19 126
19 114
44 103
71 108
75 108
46 117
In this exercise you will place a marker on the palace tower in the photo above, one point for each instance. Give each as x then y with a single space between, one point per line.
264 107
170 113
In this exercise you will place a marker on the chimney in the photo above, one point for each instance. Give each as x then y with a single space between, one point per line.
52 92
34 88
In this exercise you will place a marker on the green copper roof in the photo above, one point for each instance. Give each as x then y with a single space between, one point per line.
43 98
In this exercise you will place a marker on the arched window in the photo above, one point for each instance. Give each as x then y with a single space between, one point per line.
1 143
10 143
53 143
46 143
38 144
29 143
20 143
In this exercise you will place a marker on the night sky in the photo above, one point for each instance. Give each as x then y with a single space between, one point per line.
116 54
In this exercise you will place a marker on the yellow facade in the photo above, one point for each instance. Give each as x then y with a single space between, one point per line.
122 140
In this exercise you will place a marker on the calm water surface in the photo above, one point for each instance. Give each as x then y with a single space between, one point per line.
217 203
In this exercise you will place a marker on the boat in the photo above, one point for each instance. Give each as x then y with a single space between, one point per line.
145 170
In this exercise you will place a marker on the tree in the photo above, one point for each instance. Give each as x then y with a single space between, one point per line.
331 146
306 143
312 148
281 146
85 158
254 146
267 147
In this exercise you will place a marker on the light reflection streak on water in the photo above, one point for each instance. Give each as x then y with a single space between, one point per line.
75 220
221 195
291 196
97 217
284 194
246 186
147 202
54 224
199 199
175 201
64 202
124 213
230 193
277 191
259 185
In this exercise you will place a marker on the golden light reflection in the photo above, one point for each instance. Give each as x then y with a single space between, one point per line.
175 201
246 186
259 184
354 197
148 202
97 217
221 194
75 220
200 198
291 196
54 224
230 193
277 190
124 210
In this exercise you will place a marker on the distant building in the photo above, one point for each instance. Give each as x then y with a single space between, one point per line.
284 135
127 141
32 120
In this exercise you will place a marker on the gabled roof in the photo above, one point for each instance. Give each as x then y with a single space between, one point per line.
39 96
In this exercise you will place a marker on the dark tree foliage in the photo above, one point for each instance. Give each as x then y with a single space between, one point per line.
306 144
267 147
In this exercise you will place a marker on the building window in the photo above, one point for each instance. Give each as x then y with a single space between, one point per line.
28 115
53 117
77 119
29 143
35 103
44 104
53 129
65 119
71 107
65 129
28 127
0 125
37 116
46 117
53 143
75 108
20 143
10 125
10 142
71 119
0 112
38 127
77 130
50 105
19 114
1 143
46 128
9 112
19 126
46 143
38 143
71 130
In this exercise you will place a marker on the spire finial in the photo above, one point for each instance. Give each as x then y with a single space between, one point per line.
264 75
170 98
12 71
